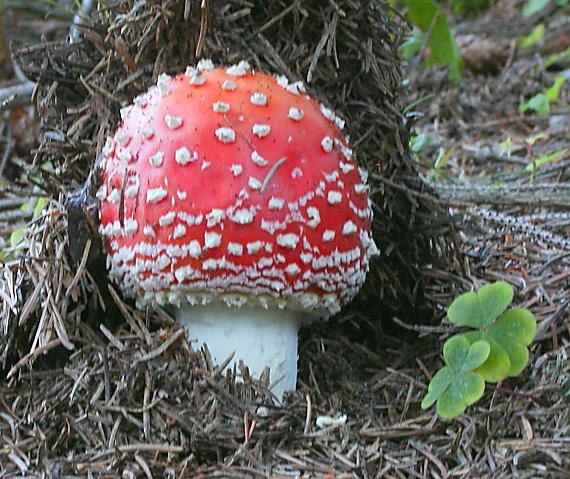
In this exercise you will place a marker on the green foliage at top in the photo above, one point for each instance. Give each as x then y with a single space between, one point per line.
438 37
470 8
500 340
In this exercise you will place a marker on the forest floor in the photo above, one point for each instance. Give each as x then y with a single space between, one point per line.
136 401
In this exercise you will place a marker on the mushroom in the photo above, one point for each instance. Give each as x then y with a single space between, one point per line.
233 196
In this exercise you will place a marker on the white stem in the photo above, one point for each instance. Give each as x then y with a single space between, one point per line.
259 337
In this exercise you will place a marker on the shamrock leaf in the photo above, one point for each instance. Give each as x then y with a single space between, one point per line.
480 309
508 338
456 386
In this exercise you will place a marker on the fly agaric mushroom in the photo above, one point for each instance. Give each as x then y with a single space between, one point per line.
234 197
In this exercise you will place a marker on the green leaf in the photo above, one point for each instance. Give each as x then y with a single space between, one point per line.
553 92
556 58
456 386
538 103
430 18
534 6
508 339
545 159
498 364
437 386
40 205
481 308
535 37
476 356
462 393
17 237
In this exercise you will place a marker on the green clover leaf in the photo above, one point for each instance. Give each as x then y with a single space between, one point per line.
480 309
456 386
508 337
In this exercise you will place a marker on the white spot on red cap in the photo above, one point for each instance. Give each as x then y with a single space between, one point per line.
173 122
123 139
194 249
114 196
225 134
156 159
258 99
182 195
328 235
254 247
292 269
148 230
147 132
254 183
258 159
314 216
124 155
229 85
327 113
197 79
214 217
101 193
295 88
334 197
296 114
141 100
238 70
327 144
236 169
131 227
163 84
132 188
346 167
243 216
282 81
235 249
296 173
155 195
360 188
182 156
261 130
167 219
275 203
205 164
205 64
179 231
108 146
221 107
212 239
124 112
288 240
349 228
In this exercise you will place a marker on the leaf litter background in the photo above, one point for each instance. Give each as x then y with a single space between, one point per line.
132 399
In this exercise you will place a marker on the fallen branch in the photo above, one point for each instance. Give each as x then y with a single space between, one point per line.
537 195
16 96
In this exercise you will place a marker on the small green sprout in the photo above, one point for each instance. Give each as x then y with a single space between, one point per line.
540 103
534 38
497 349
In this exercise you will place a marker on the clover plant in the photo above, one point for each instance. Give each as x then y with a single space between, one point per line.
494 350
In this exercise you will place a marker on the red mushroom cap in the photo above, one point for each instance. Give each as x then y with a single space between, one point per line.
229 183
